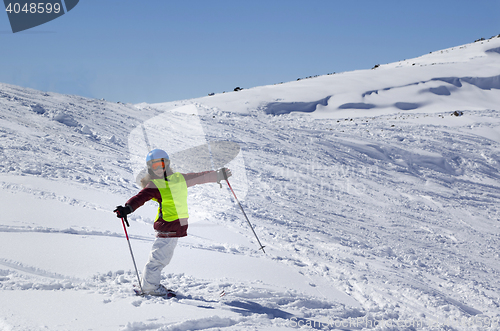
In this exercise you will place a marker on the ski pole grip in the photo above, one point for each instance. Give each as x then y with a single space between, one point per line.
124 218
221 175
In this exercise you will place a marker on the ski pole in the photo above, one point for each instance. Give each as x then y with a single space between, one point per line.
244 214
124 219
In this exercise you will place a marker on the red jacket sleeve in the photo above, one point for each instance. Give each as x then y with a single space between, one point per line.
200 178
146 194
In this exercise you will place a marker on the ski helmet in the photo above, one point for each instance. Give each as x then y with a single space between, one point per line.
156 154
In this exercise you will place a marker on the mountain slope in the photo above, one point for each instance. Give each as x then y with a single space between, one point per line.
377 204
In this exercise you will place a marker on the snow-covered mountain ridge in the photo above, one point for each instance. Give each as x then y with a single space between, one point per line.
423 84
374 191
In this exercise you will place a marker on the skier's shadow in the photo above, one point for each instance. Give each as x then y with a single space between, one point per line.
249 308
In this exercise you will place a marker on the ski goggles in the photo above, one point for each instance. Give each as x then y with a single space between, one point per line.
157 164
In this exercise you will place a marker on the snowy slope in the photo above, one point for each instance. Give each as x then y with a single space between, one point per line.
377 205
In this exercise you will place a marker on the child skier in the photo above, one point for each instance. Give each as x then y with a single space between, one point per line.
169 189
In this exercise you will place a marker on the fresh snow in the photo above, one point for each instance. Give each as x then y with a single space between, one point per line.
375 193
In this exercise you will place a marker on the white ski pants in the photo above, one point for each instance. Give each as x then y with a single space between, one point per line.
160 256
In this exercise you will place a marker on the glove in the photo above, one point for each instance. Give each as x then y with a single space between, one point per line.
122 212
223 174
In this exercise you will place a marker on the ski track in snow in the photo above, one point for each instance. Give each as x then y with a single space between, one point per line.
248 301
395 209
375 227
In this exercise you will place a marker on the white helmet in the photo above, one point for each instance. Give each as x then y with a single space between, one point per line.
156 154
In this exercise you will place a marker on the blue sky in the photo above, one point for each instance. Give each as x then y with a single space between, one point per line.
165 50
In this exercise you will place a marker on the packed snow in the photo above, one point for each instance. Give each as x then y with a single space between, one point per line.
374 192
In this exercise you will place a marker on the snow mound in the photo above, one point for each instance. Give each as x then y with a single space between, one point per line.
65 119
37 109
280 108
484 83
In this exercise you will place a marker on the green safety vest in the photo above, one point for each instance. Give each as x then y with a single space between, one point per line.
174 194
